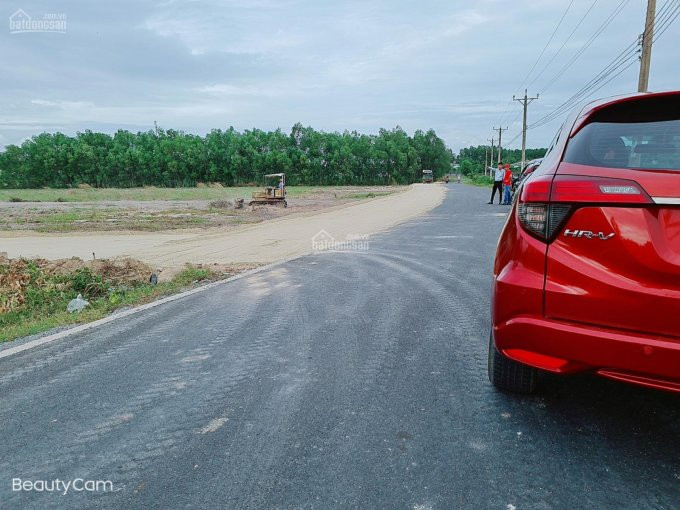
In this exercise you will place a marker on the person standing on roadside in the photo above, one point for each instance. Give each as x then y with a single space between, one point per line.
498 184
507 185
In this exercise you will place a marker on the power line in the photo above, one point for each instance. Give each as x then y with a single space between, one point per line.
553 117
584 92
624 60
647 44
525 101
670 18
500 140
588 43
552 36
514 139
492 140
601 28
589 87
564 43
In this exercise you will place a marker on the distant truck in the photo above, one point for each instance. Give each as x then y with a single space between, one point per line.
427 176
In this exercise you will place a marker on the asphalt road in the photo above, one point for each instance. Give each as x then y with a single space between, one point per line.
338 380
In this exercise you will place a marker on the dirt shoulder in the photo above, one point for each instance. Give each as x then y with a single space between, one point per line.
261 243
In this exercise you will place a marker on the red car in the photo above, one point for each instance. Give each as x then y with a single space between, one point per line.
530 167
587 270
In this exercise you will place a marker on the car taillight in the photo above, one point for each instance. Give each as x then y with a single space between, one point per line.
597 190
542 220
546 202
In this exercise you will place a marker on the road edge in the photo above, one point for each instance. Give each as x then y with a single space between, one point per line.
11 351
49 338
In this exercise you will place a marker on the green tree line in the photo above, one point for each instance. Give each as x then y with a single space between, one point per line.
472 159
172 158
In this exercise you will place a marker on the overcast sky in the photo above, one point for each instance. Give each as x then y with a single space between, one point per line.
359 65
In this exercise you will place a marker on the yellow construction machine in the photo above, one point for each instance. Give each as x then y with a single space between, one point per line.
271 194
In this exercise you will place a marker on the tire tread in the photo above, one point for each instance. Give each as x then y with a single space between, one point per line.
509 375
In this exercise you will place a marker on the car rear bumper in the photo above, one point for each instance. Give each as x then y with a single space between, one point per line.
564 347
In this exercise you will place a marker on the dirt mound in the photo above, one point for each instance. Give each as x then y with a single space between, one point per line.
219 270
222 204
14 278
124 270
16 275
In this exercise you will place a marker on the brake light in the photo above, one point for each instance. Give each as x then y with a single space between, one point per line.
576 189
542 220
546 202
537 189
536 213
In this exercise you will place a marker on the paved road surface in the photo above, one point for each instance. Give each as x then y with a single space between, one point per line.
339 380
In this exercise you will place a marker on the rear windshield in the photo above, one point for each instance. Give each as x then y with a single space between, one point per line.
643 135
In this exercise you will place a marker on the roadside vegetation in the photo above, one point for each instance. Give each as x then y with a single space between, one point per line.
169 158
471 159
478 180
34 294
119 219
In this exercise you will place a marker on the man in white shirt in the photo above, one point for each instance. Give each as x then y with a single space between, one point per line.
498 184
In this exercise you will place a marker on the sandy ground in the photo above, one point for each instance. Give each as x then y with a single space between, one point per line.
128 216
262 243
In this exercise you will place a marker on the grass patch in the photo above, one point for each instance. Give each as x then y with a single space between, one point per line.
34 293
65 217
370 194
160 209
478 180
151 193
137 194
81 220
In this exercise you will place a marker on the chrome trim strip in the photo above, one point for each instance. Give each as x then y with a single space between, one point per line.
666 200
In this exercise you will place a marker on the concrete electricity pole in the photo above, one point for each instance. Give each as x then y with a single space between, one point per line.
525 102
500 138
492 142
486 159
646 57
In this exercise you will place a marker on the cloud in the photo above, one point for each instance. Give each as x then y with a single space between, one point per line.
197 65
228 90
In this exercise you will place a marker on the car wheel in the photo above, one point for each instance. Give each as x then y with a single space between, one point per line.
508 375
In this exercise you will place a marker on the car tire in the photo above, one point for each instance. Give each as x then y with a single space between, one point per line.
508 375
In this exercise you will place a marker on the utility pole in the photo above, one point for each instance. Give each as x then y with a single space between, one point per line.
646 57
500 138
525 102
492 140
486 159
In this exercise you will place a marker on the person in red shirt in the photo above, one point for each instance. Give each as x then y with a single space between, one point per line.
507 185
